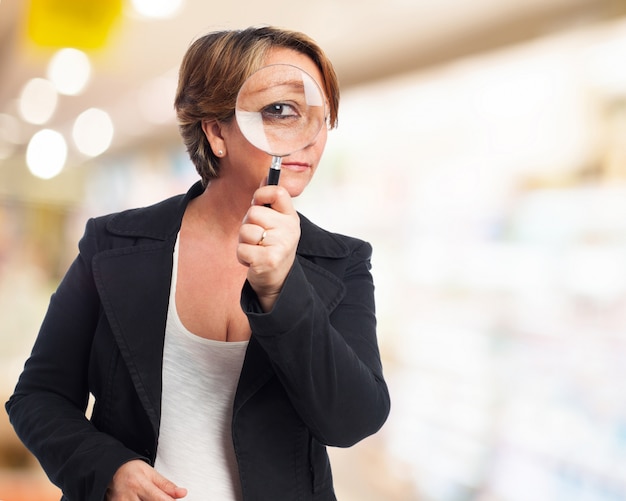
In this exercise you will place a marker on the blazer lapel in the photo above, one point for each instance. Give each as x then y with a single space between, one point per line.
133 278
134 285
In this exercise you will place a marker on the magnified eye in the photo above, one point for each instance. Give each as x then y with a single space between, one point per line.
282 110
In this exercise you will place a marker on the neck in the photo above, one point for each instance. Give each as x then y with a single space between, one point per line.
221 207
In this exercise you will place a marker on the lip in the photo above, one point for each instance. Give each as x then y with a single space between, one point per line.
296 166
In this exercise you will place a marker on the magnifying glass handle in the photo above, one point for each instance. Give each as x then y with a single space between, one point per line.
274 174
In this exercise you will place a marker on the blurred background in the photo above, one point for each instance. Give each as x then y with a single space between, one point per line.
481 150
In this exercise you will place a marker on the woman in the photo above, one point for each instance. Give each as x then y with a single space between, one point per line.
226 343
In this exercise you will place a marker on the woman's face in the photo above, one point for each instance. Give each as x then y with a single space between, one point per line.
250 165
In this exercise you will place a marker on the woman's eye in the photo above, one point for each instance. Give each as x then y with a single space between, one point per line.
280 110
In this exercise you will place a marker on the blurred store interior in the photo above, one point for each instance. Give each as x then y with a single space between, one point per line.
481 149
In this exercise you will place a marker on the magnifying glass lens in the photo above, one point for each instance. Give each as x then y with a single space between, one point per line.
280 109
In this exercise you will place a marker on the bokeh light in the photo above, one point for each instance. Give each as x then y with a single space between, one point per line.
9 135
157 8
46 154
69 70
38 101
93 132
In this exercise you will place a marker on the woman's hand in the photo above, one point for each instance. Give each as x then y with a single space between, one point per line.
137 480
268 239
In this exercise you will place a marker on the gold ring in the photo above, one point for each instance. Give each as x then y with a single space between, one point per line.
260 242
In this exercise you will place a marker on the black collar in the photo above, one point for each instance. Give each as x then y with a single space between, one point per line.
162 222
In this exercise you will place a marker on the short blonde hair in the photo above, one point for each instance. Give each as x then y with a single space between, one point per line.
214 69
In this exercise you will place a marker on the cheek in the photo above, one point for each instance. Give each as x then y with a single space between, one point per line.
249 156
320 142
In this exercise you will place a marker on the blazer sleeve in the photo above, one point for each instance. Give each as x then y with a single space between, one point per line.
325 354
48 406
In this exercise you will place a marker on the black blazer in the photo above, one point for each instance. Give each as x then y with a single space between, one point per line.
311 377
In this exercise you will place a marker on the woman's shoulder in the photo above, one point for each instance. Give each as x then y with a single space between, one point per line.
158 220
317 241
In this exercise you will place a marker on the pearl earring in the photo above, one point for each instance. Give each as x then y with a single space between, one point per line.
220 153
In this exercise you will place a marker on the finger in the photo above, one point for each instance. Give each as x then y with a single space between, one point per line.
252 234
275 196
245 254
258 215
264 182
169 487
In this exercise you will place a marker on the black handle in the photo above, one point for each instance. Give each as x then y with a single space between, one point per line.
273 177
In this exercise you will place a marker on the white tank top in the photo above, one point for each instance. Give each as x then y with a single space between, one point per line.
200 377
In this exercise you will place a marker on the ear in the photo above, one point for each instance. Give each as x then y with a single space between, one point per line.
213 131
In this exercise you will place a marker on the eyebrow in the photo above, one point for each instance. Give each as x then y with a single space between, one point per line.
295 84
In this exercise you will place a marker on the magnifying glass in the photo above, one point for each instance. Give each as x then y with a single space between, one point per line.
280 109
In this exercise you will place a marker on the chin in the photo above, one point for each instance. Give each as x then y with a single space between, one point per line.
294 185
294 189
294 193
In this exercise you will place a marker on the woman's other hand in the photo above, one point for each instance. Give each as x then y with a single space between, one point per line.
268 239
137 480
